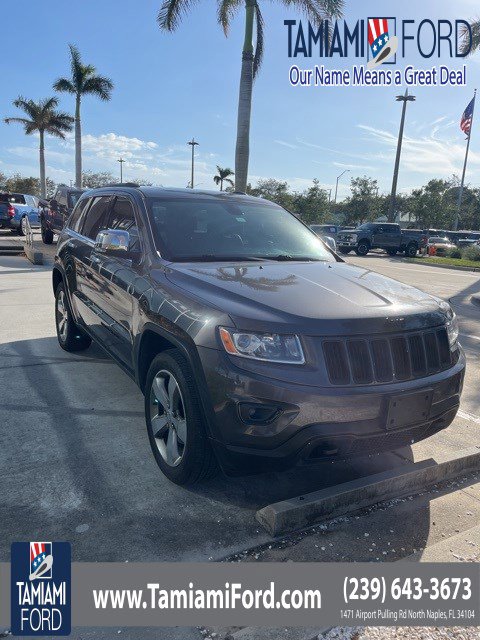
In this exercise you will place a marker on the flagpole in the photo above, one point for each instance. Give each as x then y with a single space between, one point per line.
460 193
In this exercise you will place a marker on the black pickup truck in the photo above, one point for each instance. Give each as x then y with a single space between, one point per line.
380 235
53 214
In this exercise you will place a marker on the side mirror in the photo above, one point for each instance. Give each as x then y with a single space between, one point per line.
114 242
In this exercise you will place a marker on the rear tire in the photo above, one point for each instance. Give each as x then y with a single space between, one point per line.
70 337
47 235
175 421
20 230
362 248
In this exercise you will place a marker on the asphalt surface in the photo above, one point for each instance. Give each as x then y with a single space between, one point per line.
76 465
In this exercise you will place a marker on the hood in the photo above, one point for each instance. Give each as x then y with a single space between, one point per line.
318 298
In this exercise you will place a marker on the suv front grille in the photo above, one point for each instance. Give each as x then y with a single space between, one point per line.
387 359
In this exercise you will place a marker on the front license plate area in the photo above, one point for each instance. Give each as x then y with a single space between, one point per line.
408 409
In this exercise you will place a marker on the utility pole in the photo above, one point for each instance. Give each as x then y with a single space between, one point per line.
405 98
121 161
336 186
193 144
460 192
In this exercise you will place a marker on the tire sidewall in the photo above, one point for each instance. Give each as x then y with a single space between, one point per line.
362 249
175 363
411 251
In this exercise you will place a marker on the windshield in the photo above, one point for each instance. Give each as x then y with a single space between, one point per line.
73 198
208 229
366 225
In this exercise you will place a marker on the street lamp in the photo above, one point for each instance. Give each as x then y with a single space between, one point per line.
336 186
405 98
193 144
121 161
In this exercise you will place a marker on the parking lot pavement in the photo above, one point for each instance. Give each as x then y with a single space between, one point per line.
76 463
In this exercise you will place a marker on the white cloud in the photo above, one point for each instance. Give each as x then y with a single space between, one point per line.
286 144
429 155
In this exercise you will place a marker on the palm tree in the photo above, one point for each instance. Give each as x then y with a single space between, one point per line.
470 46
84 81
44 118
316 11
223 176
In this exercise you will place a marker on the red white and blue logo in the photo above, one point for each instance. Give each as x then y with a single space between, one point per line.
41 560
40 585
383 45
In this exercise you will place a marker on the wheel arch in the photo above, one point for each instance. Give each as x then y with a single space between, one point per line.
154 340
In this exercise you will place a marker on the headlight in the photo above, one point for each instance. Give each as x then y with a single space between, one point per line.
269 347
452 331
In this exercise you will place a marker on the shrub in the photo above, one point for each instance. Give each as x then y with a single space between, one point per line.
472 253
454 253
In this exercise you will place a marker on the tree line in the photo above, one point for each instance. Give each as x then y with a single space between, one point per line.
431 206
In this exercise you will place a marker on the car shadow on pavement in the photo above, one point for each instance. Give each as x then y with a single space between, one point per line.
76 465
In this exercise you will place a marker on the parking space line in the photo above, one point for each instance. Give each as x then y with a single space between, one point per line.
467 335
468 416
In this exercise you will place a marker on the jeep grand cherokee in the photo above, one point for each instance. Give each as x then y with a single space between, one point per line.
255 345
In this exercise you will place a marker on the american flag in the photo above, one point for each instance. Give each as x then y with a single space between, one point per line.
467 117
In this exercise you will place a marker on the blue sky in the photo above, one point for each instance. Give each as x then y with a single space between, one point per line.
170 87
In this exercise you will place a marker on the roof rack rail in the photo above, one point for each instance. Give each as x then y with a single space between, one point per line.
123 184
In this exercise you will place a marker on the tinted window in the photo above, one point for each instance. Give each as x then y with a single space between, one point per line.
215 229
73 198
97 217
74 220
391 230
122 217
17 198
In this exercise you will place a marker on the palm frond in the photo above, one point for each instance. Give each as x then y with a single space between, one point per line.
225 12
217 179
99 86
258 57
42 116
470 46
64 85
230 182
76 66
171 12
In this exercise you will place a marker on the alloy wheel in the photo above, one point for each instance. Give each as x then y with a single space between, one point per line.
62 316
168 419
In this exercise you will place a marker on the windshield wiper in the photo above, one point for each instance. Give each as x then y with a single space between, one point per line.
210 257
286 257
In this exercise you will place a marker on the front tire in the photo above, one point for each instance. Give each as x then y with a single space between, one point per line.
175 422
47 235
411 251
362 248
70 337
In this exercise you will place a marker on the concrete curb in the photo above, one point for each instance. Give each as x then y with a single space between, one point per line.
303 511
36 257
442 266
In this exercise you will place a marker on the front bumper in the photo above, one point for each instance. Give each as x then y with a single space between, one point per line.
260 423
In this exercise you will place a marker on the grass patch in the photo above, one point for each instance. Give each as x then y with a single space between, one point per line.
447 262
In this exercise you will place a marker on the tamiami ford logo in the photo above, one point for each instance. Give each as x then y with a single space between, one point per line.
40 588
378 46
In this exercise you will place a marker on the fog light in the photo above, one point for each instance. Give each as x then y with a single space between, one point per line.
252 413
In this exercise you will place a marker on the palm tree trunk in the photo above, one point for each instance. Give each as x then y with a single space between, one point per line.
78 145
221 184
245 102
43 179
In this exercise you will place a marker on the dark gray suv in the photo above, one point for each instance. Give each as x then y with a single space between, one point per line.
254 344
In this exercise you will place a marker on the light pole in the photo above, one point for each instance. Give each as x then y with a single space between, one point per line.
405 98
121 161
336 186
193 144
